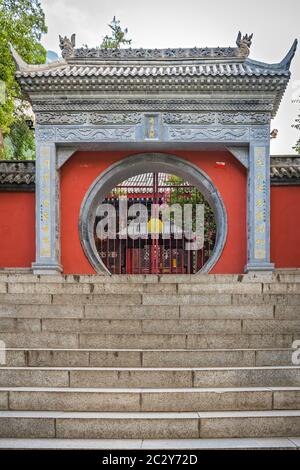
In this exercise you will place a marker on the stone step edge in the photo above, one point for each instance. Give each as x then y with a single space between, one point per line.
147 414
148 369
142 390
280 443
7 275
145 350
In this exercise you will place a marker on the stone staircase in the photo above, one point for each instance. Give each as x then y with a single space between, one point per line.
148 357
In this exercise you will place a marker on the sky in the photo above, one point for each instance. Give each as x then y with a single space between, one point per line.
190 23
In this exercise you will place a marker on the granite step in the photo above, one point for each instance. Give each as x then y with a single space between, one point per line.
178 326
154 400
278 443
15 275
75 340
19 357
110 311
184 287
149 425
97 377
208 297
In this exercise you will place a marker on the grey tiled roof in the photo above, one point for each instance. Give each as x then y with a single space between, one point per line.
17 174
285 169
143 183
247 68
139 71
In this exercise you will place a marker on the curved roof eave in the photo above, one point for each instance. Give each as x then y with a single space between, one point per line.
22 66
284 65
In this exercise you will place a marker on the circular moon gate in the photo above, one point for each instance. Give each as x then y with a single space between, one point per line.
146 163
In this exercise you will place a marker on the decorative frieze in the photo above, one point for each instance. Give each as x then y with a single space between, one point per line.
85 134
190 118
120 118
88 118
217 118
243 118
95 135
144 105
57 118
217 134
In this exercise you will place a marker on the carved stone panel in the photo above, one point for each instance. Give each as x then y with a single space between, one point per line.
260 133
88 118
190 118
95 135
217 118
215 134
85 134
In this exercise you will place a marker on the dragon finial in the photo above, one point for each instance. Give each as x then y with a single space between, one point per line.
244 44
67 46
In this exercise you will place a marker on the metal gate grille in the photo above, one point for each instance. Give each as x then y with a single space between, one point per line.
155 255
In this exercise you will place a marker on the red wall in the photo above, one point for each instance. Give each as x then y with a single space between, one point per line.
83 168
285 226
17 229
17 214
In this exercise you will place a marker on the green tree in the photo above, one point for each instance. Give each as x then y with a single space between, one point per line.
117 38
179 194
22 23
297 126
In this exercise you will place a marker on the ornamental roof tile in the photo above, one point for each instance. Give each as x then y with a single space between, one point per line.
285 169
14 173
248 68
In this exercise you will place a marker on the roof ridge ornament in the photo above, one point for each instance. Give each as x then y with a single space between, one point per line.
67 46
204 53
244 43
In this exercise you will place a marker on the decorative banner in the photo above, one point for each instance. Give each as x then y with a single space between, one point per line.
260 200
45 230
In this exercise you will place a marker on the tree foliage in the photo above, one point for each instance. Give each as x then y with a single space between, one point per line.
297 126
117 37
179 194
22 23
